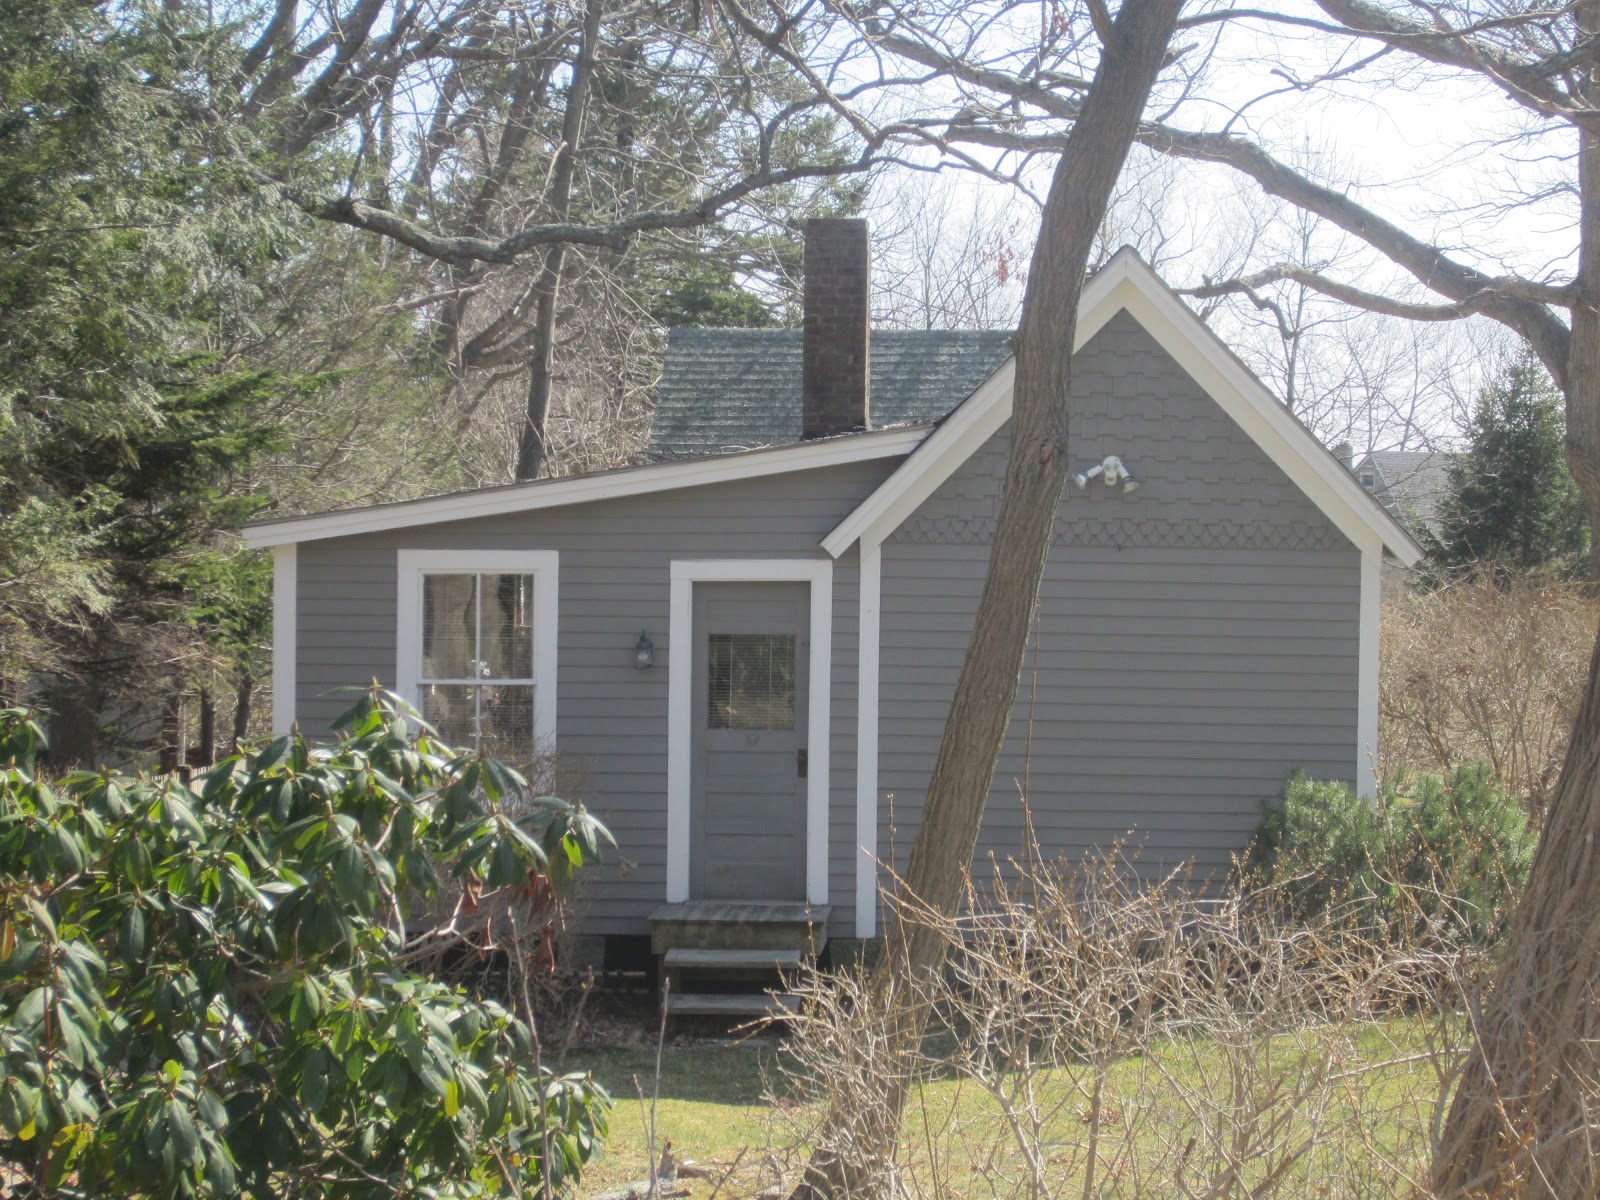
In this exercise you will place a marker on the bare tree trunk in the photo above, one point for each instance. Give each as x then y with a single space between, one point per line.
242 701
172 732
857 1144
531 446
1521 1123
208 726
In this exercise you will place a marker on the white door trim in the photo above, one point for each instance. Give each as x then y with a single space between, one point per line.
818 572
543 565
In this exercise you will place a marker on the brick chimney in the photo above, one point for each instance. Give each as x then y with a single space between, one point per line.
837 320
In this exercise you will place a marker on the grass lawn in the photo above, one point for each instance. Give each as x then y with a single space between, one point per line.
1171 1110
710 1104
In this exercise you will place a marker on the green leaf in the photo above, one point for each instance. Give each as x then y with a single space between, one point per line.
212 1110
314 1081
270 754
185 1137
504 868
452 1098
131 940
173 1072
18 1104
219 1171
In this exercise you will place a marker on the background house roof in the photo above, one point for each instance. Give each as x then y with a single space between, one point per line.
1412 484
734 389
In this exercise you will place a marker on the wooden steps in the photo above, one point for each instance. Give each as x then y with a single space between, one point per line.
732 958
731 1004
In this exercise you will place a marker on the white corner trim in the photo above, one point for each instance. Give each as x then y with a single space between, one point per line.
603 485
1127 282
685 573
543 565
867 740
285 619
1366 775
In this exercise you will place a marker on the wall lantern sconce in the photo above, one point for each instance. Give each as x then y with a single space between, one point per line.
1112 471
644 653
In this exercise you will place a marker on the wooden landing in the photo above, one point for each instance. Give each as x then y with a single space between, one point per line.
739 925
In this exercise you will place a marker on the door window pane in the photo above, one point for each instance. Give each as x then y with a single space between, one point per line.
751 681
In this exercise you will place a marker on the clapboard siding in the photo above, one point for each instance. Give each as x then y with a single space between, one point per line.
1197 638
614 581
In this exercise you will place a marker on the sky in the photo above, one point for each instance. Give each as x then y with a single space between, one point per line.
1440 154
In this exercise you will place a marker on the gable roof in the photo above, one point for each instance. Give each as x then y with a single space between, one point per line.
1411 484
725 390
932 452
580 489
1127 282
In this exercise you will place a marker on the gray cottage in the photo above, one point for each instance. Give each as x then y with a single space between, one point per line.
746 649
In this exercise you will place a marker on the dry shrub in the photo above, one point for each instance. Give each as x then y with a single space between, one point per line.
1479 671
1098 1036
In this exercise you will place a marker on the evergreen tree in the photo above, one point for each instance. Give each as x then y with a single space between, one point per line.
126 246
1512 503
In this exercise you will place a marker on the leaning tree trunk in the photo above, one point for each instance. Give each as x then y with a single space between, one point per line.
857 1141
1524 1118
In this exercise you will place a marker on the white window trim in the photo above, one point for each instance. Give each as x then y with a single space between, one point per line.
285 619
685 573
543 565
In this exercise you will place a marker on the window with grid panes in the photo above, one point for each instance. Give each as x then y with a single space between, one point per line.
477 673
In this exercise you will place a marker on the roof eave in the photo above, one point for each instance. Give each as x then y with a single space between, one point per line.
588 489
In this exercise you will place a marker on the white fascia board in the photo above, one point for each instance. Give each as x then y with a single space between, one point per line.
966 429
1127 282
606 485
956 439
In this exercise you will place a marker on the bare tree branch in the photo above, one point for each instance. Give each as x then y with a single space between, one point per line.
460 250
1505 287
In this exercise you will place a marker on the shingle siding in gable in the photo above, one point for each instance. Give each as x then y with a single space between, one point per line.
1197 638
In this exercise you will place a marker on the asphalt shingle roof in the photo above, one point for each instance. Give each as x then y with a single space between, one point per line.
724 390
1411 484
